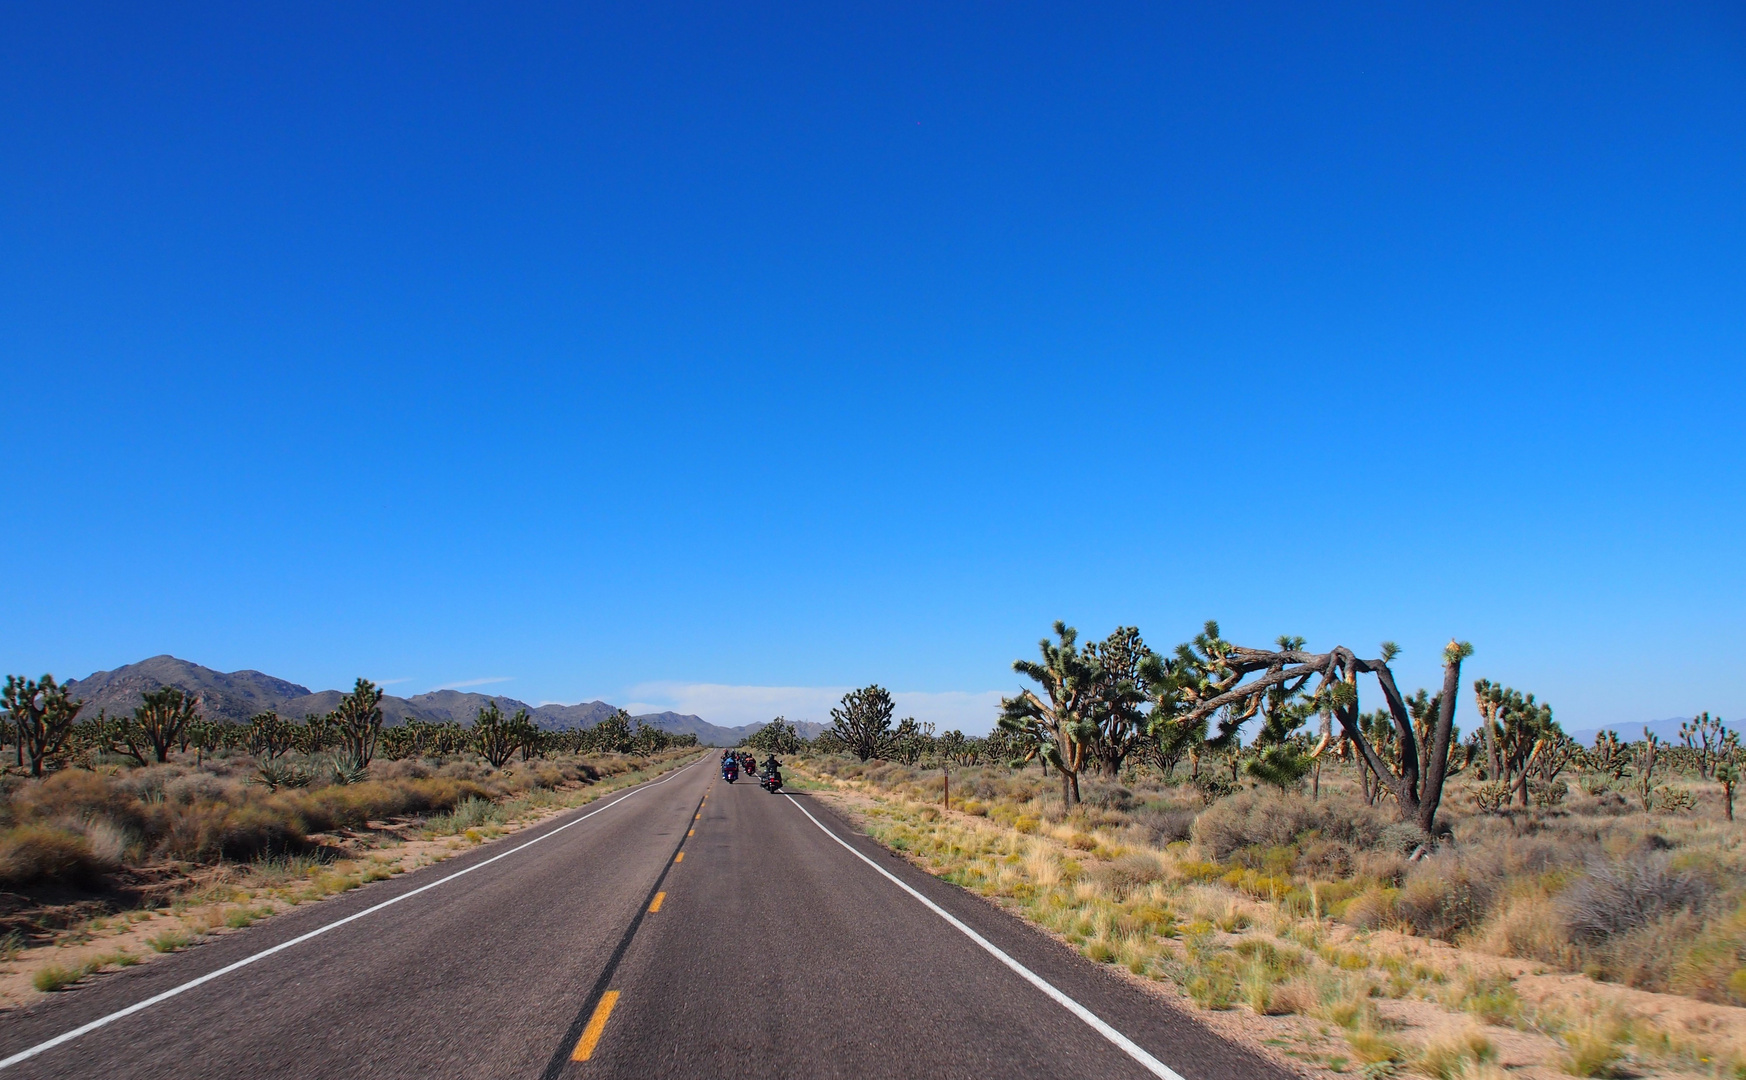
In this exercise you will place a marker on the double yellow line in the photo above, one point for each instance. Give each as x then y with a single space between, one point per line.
603 1010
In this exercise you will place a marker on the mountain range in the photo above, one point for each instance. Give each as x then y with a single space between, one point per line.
236 696
1665 730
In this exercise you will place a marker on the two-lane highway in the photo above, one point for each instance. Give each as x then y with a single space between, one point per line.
773 949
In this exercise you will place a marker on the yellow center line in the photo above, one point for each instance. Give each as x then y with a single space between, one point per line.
596 1024
690 832
659 897
679 857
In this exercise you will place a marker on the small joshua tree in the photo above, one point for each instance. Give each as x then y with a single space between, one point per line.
1728 775
1728 768
159 723
494 737
358 722
1609 755
1648 752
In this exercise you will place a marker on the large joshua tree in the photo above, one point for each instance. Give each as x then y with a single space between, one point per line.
1062 721
863 721
1236 679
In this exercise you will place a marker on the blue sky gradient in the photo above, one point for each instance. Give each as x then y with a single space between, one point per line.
627 350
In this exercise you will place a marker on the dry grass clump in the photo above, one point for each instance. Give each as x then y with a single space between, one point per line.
1466 1054
40 852
1595 1047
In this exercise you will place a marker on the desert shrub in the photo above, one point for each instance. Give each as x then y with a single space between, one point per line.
197 787
463 769
1372 909
147 784
470 813
400 769
1402 837
1326 859
1267 819
1164 825
250 832
1130 872
1713 966
1446 895
75 794
1105 795
36 853
988 788
1613 898
110 844
1531 927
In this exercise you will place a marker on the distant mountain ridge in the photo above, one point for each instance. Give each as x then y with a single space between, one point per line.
236 696
1665 730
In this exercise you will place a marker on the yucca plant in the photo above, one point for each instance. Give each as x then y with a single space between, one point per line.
274 775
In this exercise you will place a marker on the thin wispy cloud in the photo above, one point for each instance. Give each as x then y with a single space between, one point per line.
392 682
729 705
474 682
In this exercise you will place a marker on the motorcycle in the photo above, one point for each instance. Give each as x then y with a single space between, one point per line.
771 782
730 771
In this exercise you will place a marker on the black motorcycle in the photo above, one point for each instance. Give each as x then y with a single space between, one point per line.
771 782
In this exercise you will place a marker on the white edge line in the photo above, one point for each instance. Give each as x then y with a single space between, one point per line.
138 1006
1132 1049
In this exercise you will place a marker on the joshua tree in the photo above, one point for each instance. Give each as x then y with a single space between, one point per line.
1118 696
776 737
42 717
1648 753
1703 735
495 738
1609 755
1278 759
358 722
314 734
1488 698
1241 676
1728 775
1064 726
1520 737
159 722
862 722
1177 687
614 735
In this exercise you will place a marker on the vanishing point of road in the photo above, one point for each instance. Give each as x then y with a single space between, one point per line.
682 928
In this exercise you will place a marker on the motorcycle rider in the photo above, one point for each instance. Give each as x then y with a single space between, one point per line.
772 767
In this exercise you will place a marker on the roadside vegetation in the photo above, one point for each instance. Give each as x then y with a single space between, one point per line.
155 829
1560 910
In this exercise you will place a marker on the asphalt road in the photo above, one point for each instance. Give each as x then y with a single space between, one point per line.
774 952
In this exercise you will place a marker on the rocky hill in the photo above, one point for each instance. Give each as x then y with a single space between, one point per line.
235 696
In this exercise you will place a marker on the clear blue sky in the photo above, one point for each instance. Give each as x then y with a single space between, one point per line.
650 351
